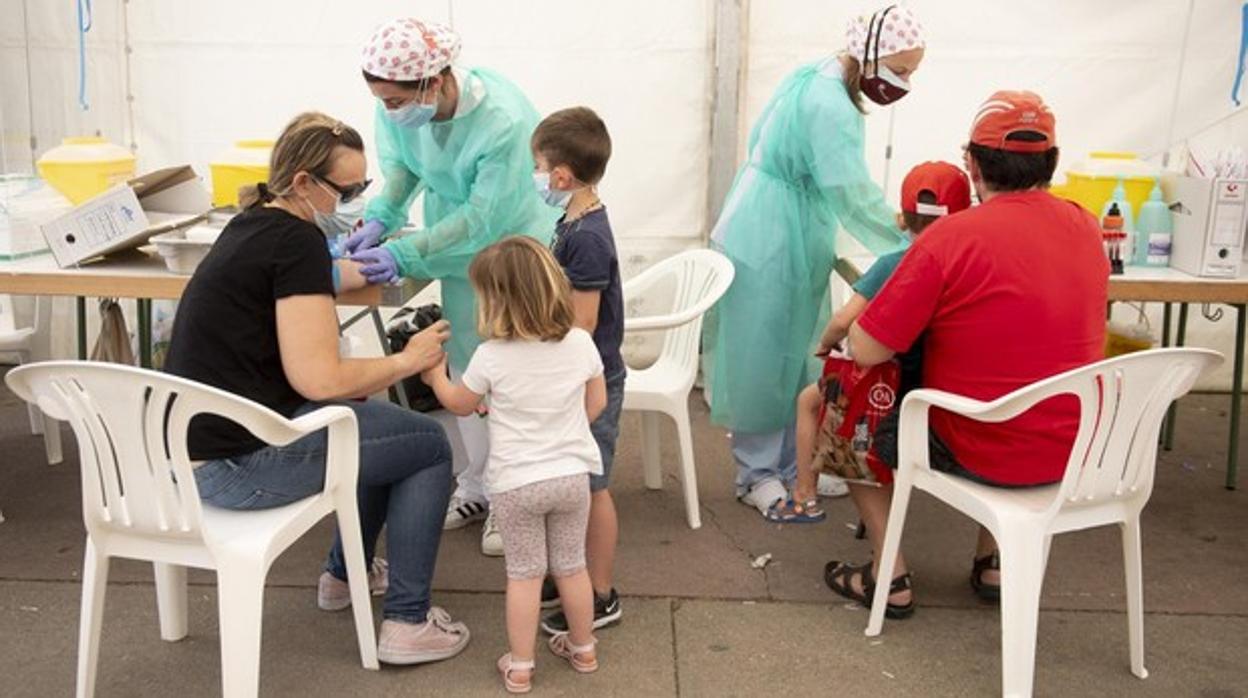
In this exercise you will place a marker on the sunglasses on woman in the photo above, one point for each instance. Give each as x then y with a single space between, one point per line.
348 192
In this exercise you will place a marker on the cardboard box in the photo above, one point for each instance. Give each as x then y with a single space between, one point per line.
127 215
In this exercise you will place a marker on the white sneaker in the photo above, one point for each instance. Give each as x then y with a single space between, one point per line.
764 494
461 512
831 486
491 539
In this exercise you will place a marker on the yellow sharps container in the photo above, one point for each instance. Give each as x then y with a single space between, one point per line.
1091 183
81 167
246 163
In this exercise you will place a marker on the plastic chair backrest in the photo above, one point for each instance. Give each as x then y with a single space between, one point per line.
701 277
1122 402
131 425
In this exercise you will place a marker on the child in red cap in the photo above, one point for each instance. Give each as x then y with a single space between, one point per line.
931 190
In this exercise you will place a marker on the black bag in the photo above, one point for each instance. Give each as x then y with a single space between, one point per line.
403 326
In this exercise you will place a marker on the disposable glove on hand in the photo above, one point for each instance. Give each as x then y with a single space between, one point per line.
380 267
367 237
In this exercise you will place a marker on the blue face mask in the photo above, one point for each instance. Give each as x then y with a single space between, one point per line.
413 114
553 197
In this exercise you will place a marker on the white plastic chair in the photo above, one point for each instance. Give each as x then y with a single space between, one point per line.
1108 480
32 344
700 277
140 502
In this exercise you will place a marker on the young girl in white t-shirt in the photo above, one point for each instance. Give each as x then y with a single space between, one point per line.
544 381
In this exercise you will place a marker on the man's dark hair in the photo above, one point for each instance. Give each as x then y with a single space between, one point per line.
1004 170
576 138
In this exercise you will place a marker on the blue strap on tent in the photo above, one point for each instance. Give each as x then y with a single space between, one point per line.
1243 50
84 26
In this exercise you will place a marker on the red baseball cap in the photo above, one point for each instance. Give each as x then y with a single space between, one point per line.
948 182
1008 112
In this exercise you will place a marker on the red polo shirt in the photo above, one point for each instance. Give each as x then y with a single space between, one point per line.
1009 292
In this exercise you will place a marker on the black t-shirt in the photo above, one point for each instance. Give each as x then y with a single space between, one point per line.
225 332
585 249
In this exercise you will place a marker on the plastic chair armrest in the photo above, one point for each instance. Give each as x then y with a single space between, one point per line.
1006 407
661 322
320 418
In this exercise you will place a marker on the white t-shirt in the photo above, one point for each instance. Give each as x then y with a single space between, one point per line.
538 426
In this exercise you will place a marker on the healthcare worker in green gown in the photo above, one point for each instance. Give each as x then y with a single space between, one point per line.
805 176
460 137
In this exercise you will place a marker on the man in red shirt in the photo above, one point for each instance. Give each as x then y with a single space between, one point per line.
1003 295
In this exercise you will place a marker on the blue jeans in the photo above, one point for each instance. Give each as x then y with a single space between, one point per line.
766 456
606 430
404 483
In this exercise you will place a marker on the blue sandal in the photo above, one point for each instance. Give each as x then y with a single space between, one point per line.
788 510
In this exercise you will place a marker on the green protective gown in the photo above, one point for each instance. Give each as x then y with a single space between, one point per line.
806 174
476 172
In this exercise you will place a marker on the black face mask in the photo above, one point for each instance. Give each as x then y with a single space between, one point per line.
884 86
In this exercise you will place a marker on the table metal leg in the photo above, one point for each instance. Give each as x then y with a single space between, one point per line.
1165 342
1180 336
1237 390
1165 326
145 331
82 328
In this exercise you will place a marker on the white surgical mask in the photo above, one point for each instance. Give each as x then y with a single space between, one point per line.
553 197
413 114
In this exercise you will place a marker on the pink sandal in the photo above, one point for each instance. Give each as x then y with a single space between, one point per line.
507 665
581 657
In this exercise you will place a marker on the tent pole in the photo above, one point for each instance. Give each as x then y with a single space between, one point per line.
126 50
730 39
30 95
1178 85
888 147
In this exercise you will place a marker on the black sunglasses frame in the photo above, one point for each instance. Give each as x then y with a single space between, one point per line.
348 194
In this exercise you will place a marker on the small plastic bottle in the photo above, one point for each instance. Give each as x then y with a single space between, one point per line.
1111 230
1153 231
1119 198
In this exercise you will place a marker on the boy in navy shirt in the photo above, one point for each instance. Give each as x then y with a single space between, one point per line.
571 148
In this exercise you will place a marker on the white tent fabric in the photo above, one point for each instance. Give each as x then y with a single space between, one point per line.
1108 69
204 74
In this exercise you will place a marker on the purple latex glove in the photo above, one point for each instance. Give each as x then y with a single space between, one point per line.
367 237
380 266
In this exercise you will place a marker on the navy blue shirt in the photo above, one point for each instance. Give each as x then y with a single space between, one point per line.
585 249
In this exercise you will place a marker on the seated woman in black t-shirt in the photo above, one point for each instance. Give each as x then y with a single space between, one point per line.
258 319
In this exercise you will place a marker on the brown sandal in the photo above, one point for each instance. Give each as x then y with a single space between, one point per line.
987 592
839 575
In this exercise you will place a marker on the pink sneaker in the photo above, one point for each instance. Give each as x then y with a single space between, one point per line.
333 594
437 638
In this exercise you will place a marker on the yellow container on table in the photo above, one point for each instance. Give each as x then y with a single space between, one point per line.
245 164
1091 183
81 167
